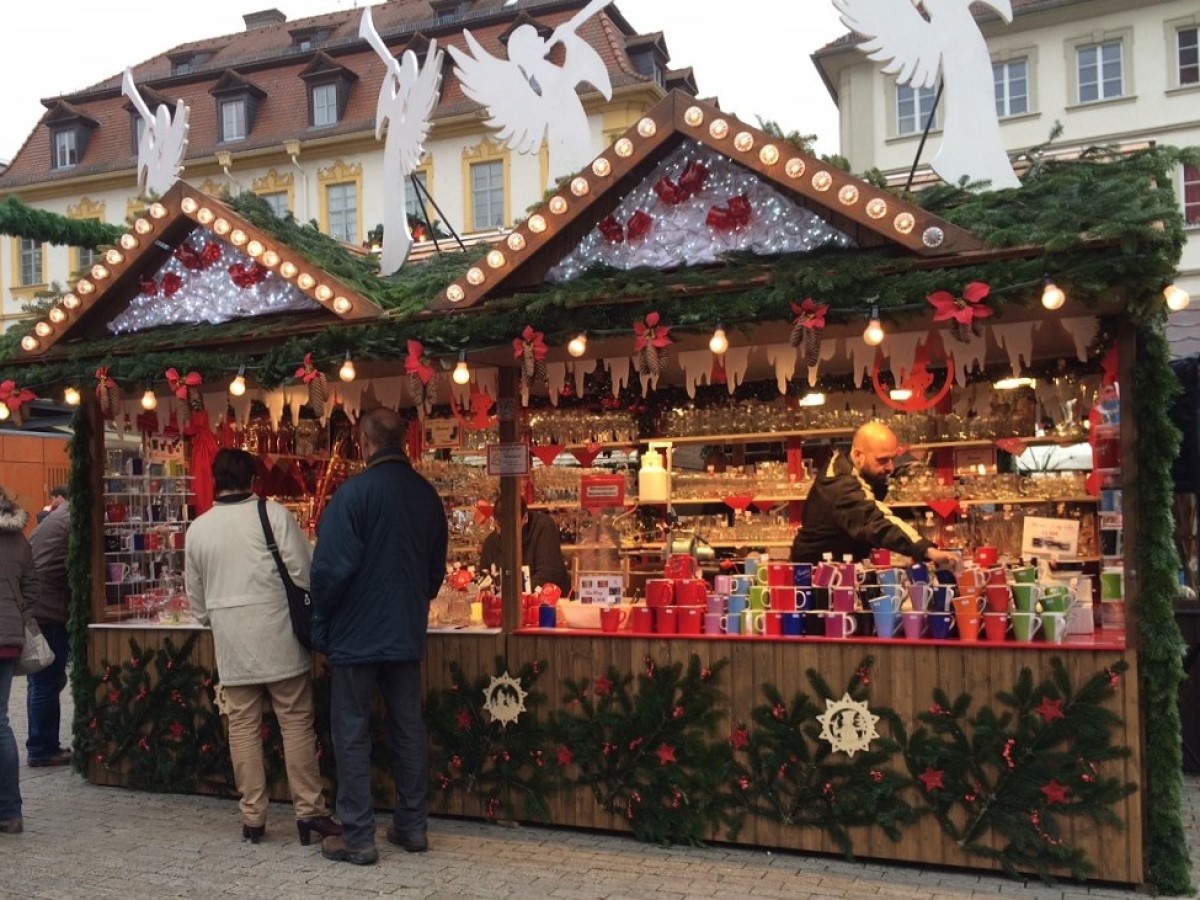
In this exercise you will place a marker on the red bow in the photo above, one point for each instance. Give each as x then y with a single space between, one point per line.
149 287
611 229
964 309
308 371
246 275
639 225
180 385
13 397
188 257
416 364
171 283
210 254
734 215
533 339
809 314
651 333
690 181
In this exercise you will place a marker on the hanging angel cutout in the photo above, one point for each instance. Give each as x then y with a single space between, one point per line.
162 143
528 97
406 100
916 49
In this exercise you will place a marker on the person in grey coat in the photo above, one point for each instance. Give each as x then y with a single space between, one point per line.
52 612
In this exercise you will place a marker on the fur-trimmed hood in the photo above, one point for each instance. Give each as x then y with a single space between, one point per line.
12 517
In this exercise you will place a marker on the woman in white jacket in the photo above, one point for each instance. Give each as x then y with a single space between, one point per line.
234 586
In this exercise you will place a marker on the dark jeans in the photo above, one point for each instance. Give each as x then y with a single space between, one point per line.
350 714
10 763
41 701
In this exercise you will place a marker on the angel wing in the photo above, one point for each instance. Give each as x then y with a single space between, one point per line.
408 123
518 112
170 147
896 35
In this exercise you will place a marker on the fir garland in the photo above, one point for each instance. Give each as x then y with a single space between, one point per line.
79 569
23 221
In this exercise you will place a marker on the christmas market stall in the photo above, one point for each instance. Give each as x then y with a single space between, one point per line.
662 357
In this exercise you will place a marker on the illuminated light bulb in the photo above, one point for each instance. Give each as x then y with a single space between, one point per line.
811 400
580 186
601 168
143 226
719 129
255 249
719 342
237 387
877 208
99 272
646 127
324 293
537 224
848 195
905 223
769 155
158 211
462 372
900 394
270 259
305 282
113 256
29 343
475 275
189 205
222 227
4 413
558 205
238 237
577 346
70 301
205 215
346 372
1052 296
744 141
874 334
455 293
43 329
623 147
342 305
794 167
822 181
694 116
1177 297
496 259
71 396
149 401
1012 382
516 241
128 241
288 269
57 316
84 286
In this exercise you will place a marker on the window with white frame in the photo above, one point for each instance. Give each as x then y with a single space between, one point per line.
324 105
30 262
342 203
85 258
1191 195
278 201
233 120
1187 53
1011 81
414 203
914 108
487 195
65 153
1100 69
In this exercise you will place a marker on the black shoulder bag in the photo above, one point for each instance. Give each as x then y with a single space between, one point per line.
299 601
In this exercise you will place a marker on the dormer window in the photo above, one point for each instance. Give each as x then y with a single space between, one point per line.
182 65
237 102
70 128
233 120
66 154
648 53
449 10
328 89
309 38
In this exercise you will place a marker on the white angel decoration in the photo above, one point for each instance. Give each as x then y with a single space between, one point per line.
162 142
528 97
949 42
406 100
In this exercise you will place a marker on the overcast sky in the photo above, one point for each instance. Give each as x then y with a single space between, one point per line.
753 54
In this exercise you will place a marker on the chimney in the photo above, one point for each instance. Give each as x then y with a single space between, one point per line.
264 19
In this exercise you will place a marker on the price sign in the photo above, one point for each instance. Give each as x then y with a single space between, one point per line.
599 491
442 434
508 459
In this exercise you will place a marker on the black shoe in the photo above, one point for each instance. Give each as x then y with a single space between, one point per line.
324 826
335 848
254 833
58 758
12 826
412 841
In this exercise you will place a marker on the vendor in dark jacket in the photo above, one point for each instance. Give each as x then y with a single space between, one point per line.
541 550
845 513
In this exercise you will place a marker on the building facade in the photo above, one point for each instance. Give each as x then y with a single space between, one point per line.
286 109
1111 72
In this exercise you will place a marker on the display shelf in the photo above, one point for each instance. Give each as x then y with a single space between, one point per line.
758 436
758 498
1018 501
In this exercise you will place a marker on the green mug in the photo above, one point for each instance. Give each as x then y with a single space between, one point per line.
1025 625
1026 596
1056 600
1024 574
1055 625
1112 584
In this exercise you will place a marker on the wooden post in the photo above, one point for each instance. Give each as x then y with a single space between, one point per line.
508 510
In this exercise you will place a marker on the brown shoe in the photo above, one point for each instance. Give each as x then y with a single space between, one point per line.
12 826
61 758
335 848
412 841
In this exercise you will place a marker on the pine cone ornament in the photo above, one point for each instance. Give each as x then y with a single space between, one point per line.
108 395
416 389
960 332
318 394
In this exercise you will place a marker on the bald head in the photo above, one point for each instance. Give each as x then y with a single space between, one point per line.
873 451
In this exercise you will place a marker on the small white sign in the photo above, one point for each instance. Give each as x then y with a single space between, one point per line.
1050 537
600 587
508 459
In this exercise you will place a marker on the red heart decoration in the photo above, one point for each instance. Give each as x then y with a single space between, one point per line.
586 455
547 453
944 508
739 501
1015 446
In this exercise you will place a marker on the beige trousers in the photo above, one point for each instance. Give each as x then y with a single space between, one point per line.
292 701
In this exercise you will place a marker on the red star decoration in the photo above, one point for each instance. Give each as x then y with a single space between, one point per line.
565 756
1055 792
1050 709
464 719
739 738
932 779
603 686
665 754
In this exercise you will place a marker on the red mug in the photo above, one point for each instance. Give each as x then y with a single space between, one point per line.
612 618
680 565
493 609
881 559
987 556
690 619
641 620
666 619
779 575
773 624
998 597
660 592
691 592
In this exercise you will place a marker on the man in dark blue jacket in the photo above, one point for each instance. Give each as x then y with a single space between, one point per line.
380 559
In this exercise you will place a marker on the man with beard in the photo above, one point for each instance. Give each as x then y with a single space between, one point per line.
845 513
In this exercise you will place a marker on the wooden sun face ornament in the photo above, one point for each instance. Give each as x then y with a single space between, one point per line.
918 380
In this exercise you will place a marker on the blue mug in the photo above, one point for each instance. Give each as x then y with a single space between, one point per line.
802 575
918 573
547 616
736 604
940 625
793 624
890 576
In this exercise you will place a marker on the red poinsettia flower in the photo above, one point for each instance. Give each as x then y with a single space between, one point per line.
535 340
603 686
13 397
416 363
739 738
809 314
308 371
964 309
651 333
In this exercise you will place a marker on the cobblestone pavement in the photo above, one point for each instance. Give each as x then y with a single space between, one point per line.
96 842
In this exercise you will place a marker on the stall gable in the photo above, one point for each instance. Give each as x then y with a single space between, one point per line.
865 215
124 291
